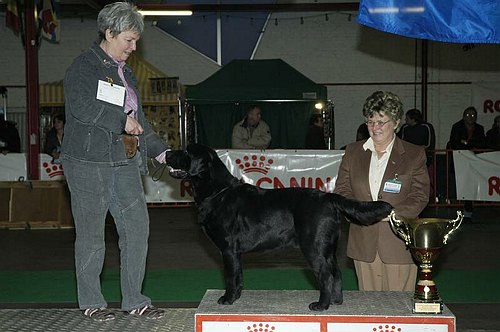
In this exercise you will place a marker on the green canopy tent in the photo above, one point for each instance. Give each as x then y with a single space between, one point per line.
287 99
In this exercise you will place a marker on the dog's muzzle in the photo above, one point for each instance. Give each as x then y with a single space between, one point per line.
177 173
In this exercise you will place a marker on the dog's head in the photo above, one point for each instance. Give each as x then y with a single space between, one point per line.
196 161
179 163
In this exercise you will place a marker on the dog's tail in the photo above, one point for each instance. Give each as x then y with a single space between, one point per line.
362 213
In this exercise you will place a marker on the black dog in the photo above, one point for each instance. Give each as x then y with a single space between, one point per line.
241 218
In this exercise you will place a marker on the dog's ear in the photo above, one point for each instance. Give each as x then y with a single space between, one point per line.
169 156
197 166
201 159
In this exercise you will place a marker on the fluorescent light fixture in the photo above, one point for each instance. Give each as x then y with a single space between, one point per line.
395 10
383 10
166 12
319 106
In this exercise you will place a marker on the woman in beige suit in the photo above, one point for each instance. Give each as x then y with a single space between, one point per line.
386 168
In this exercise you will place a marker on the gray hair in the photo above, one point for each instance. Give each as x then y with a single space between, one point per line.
119 17
384 102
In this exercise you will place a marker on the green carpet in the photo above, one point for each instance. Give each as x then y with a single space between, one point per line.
455 286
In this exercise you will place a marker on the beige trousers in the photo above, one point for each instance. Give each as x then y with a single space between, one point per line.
379 276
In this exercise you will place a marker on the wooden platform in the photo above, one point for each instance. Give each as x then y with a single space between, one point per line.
280 311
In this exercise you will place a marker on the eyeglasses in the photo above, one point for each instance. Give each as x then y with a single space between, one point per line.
376 123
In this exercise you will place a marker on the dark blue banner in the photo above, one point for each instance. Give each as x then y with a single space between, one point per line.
455 21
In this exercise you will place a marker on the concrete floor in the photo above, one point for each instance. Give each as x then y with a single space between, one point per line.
176 241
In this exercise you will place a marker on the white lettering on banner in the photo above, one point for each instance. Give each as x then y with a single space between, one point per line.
477 175
265 169
486 99
274 169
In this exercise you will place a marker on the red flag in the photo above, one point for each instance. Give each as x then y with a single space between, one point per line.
47 14
12 16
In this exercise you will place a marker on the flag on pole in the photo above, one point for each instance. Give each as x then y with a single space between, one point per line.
12 16
456 21
49 24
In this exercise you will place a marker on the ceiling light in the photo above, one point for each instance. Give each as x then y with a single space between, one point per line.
166 12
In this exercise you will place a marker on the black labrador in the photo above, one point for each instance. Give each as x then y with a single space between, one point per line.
241 218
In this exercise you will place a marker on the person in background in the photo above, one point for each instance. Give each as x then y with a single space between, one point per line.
251 132
385 168
493 135
10 142
54 138
466 134
362 132
315 137
418 132
102 108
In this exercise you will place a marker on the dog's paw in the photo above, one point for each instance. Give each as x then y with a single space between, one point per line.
225 300
337 301
317 306
337 298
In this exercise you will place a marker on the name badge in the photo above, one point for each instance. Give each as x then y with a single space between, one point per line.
392 186
111 93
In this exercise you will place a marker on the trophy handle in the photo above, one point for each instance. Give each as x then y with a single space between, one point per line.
453 225
400 228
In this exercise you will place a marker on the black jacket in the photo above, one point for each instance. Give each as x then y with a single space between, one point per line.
94 128
315 138
459 133
9 137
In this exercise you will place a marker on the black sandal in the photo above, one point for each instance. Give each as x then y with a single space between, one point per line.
99 314
148 311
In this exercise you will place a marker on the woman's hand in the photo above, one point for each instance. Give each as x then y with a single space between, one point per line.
133 127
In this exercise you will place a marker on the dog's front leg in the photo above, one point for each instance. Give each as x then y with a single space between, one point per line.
233 277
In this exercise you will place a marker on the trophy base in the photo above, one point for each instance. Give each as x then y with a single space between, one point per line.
426 307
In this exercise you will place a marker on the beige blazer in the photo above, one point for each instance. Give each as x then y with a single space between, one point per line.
408 162
242 138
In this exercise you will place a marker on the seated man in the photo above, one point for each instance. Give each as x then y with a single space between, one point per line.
251 132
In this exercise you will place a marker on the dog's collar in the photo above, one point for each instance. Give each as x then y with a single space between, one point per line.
219 192
223 189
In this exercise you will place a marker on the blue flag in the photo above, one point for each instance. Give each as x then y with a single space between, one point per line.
455 21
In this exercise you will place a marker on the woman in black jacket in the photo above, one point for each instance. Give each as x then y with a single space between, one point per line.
54 137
